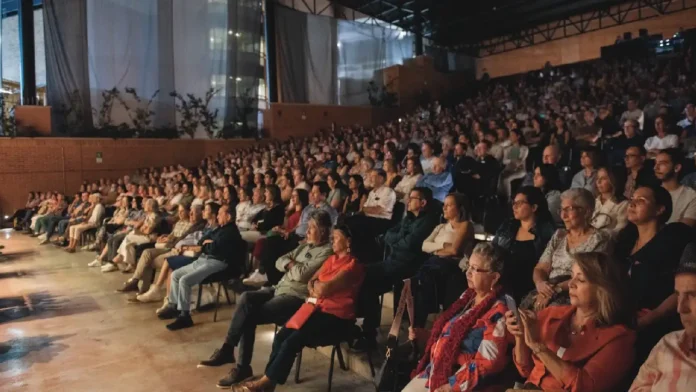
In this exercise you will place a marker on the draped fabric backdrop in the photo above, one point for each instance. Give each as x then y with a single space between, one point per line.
329 61
150 45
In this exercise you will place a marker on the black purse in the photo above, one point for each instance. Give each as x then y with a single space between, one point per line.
400 360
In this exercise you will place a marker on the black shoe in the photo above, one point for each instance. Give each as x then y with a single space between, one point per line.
364 345
181 322
130 285
236 375
168 314
219 358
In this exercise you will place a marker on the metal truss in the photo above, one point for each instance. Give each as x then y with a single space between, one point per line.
335 10
624 13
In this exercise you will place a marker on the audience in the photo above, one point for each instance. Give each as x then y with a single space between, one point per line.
96 213
514 160
439 181
584 346
552 273
668 166
610 205
546 179
637 173
525 237
467 345
671 364
662 140
587 177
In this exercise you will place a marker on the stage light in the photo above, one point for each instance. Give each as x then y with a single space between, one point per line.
7 217
238 35
230 32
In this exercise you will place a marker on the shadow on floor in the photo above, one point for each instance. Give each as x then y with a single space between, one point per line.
43 305
15 274
5 256
42 349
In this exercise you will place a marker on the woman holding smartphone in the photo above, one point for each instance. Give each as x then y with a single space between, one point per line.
585 346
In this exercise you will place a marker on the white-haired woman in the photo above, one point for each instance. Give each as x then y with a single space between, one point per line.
95 217
139 235
552 272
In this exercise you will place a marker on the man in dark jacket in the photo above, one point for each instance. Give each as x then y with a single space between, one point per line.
221 249
403 244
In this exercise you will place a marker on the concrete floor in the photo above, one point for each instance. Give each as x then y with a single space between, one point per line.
64 328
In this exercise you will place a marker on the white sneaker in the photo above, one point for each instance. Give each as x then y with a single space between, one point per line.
109 267
43 238
154 294
165 305
95 263
256 279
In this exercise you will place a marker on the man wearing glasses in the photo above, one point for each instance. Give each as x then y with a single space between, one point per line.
637 172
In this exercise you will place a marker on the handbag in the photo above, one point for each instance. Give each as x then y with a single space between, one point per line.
400 361
301 316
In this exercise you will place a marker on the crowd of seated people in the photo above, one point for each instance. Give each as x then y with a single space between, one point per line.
587 195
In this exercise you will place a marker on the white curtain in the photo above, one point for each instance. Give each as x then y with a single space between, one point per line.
122 50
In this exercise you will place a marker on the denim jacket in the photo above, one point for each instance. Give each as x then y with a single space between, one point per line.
506 233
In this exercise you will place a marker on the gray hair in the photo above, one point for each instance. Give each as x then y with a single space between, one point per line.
323 222
494 255
580 197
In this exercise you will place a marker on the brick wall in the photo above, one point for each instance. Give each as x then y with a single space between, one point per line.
62 164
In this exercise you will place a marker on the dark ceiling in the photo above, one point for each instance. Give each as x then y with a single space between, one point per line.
465 22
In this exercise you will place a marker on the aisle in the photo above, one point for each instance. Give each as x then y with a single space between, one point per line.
68 330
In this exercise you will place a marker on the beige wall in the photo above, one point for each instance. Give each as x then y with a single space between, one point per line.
585 46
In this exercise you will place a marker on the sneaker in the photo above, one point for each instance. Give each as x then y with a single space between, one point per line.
256 279
220 357
95 263
168 313
130 286
42 237
109 267
181 322
165 305
154 294
43 241
236 375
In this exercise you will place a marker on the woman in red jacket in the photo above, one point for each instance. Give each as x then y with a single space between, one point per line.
586 346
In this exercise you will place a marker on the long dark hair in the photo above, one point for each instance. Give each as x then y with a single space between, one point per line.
303 196
361 185
536 198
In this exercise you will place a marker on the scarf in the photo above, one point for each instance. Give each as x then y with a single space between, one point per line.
443 364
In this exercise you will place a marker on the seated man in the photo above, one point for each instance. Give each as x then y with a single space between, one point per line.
378 207
222 249
79 215
273 304
668 166
405 256
188 222
439 181
671 365
48 222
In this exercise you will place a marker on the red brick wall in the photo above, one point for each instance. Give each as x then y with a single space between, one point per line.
62 164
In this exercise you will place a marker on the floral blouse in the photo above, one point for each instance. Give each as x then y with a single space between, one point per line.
561 258
482 353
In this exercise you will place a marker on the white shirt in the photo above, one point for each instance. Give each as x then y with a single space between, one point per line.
443 234
427 164
610 216
655 143
176 199
683 204
246 212
383 197
407 184
97 214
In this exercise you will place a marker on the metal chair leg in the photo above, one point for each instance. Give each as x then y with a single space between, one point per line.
227 294
331 366
200 291
369 361
339 353
298 365
217 301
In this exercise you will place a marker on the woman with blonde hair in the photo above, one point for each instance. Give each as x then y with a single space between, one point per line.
585 346
610 205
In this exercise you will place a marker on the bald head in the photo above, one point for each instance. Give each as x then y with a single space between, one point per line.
551 155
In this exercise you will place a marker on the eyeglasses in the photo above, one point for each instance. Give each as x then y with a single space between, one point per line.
638 201
473 269
519 203
570 209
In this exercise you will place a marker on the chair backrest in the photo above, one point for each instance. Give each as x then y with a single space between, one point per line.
398 212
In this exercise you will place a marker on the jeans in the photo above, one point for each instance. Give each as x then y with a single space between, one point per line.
186 277
63 226
113 244
258 308
320 329
49 224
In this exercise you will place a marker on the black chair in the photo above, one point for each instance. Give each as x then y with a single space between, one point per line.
221 278
335 352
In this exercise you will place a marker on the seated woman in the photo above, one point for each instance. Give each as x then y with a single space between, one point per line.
587 177
33 201
357 197
251 202
524 237
467 345
96 214
114 223
413 173
333 289
299 200
271 216
662 139
393 177
650 250
610 206
584 346
552 273
141 234
547 179
440 280
136 215
338 193
514 160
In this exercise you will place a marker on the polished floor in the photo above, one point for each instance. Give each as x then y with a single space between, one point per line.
64 328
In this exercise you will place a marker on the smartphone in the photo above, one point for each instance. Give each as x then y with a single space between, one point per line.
512 305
